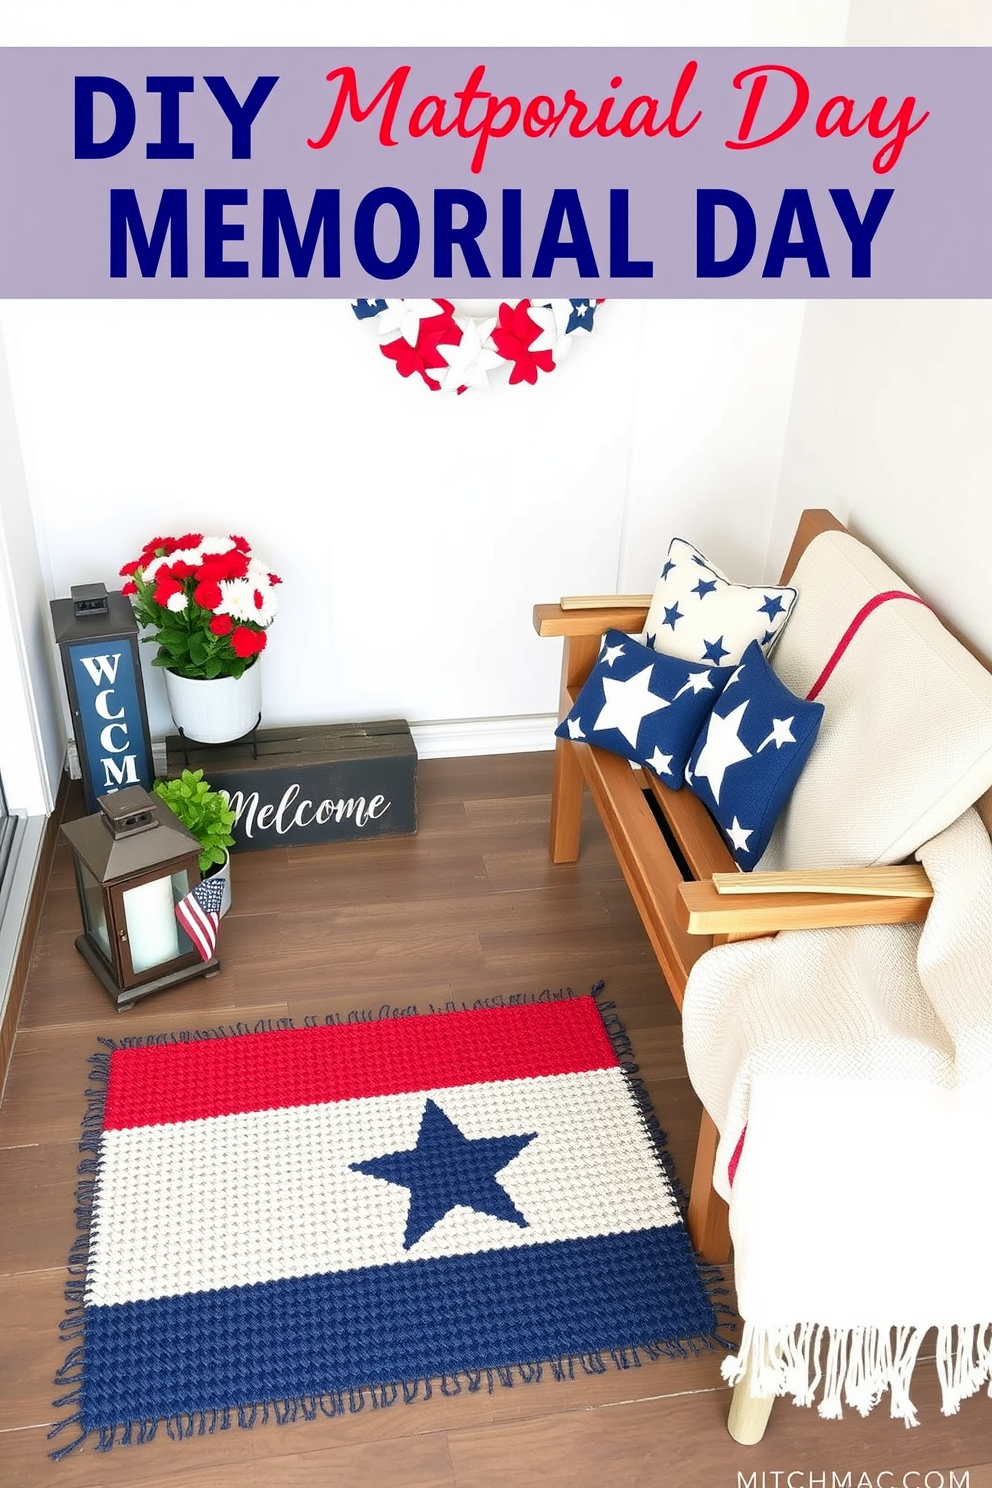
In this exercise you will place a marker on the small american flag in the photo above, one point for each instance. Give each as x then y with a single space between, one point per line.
199 913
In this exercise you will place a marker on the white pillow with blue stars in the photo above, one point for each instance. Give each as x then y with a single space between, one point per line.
697 613
748 758
644 705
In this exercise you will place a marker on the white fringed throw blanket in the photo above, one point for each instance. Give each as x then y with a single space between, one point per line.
857 1064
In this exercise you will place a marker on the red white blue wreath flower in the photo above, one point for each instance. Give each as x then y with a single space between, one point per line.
453 352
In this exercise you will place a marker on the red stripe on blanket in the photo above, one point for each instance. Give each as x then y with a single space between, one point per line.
345 1061
852 630
735 1158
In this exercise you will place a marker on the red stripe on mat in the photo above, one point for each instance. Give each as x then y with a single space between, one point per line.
852 630
305 1066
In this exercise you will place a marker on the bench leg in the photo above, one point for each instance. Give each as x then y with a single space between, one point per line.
566 805
748 1413
578 659
709 1217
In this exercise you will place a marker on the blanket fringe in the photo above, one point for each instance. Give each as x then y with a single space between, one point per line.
856 1366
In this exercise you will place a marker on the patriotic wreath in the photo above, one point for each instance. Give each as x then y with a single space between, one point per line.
453 352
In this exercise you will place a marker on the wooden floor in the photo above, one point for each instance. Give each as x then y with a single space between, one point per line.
469 908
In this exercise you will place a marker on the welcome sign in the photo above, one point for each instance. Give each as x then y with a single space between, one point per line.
320 783
106 695
345 172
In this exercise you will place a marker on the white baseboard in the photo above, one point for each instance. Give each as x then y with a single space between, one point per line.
447 739
457 737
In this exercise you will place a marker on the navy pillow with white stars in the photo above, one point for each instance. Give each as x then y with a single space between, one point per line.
747 759
697 613
644 705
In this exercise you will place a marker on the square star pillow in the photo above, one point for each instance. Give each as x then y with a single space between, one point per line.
747 759
644 705
697 613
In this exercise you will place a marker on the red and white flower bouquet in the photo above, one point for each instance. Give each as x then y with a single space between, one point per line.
207 600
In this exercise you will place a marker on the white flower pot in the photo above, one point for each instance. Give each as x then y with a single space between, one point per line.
224 868
218 710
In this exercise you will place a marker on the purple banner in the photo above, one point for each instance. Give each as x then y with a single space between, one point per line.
354 172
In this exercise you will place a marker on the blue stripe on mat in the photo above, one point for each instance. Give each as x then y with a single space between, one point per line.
386 1324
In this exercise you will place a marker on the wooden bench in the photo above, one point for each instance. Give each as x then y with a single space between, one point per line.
676 863
688 891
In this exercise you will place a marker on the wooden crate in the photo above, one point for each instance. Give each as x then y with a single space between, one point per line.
323 783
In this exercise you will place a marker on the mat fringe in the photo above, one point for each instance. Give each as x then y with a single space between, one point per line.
369 1397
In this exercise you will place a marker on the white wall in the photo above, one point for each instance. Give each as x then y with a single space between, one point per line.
890 430
442 23
714 388
31 741
919 23
414 532
893 399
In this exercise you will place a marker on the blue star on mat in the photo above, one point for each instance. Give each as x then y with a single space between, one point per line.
447 1169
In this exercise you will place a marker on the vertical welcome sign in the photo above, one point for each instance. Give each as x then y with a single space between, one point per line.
352 172
102 672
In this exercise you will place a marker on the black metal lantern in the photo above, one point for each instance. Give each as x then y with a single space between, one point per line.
134 862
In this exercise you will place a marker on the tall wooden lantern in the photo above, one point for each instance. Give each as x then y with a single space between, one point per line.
134 862
97 636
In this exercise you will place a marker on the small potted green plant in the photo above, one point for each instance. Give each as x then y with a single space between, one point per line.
202 811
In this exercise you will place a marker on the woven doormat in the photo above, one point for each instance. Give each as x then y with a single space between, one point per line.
288 1221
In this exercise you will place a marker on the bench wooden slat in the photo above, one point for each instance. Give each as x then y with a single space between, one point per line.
605 601
902 880
695 831
705 911
653 881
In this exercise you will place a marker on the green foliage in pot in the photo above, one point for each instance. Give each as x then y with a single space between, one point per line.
202 811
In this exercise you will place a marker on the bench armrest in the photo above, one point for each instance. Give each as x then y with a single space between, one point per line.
620 612
765 903
901 880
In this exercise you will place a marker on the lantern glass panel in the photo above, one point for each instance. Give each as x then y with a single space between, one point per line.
94 913
154 934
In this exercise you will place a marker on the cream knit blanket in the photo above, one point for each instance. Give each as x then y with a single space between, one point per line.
857 1064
